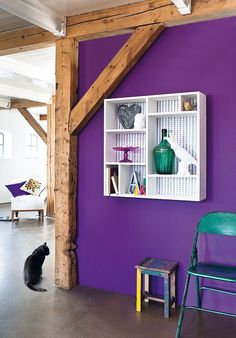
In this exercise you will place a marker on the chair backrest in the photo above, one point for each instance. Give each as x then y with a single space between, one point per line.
218 223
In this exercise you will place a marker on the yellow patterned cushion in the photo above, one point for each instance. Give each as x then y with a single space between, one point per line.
33 187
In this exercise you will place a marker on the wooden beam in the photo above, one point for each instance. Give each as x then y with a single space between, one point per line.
50 117
103 22
34 124
44 117
117 20
24 40
23 103
113 74
66 164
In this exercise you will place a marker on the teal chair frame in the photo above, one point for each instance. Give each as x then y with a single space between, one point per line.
218 223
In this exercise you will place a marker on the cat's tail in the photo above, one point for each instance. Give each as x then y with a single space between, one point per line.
33 288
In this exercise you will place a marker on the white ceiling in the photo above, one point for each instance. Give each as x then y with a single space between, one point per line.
28 75
73 7
9 22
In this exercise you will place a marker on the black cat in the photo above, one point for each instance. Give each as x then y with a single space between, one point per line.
33 267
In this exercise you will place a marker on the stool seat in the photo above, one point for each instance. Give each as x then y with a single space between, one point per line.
157 267
155 264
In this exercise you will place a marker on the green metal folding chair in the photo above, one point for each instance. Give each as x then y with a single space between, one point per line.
218 223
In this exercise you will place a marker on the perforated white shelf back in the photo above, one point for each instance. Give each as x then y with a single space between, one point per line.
167 105
132 140
177 186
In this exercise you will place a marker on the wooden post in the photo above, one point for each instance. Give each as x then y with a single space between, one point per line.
65 164
51 158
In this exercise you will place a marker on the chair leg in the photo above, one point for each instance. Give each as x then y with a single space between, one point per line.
199 300
181 315
12 215
42 214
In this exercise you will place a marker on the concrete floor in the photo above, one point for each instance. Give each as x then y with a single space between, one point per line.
82 312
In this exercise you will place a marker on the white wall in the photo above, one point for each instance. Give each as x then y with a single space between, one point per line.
19 167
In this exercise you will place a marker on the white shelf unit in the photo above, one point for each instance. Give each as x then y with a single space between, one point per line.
160 111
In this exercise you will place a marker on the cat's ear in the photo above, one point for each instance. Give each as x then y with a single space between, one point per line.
45 244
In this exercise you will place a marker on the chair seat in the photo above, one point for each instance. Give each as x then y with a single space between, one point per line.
214 271
27 202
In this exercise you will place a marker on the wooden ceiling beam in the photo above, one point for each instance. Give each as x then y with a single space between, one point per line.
26 39
23 103
43 117
113 74
117 20
34 124
148 12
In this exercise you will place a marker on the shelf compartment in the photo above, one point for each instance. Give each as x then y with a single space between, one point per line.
164 104
184 130
192 98
111 107
174 187
111 170
126 174
131 140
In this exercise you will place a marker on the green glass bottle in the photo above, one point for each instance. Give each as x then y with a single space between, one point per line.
164 156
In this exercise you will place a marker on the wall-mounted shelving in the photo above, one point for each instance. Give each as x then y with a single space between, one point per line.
159 112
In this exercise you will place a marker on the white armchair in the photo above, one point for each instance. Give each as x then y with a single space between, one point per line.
27 203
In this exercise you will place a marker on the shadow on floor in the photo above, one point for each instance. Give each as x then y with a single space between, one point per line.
81 312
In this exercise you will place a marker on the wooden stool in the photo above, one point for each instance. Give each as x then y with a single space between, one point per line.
157 267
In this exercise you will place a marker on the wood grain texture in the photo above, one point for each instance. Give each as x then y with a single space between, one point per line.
66 164
24 103
128 17
25 39
44 117
34 124
117 20
50 117
113 74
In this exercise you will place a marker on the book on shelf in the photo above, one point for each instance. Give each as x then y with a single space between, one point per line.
112 180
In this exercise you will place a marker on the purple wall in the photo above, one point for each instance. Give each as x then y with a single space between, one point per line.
194 57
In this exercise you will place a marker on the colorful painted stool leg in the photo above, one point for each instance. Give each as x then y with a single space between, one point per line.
138 290
146 287
167 296
173 287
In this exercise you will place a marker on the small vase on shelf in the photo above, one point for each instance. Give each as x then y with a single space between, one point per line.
164 156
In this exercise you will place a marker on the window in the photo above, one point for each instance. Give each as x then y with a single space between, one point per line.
5 144
1 145
32 146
